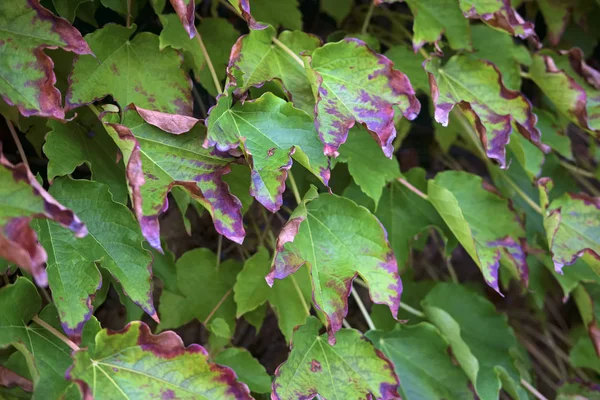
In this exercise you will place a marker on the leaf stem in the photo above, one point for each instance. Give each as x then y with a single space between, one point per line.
413 189
523 195
219 250
577 170
302 299
219 304
532 390
294 187
412 310
525 75
15 137
128 20
56 333
289 51
367 20
211 67
231 8
363 309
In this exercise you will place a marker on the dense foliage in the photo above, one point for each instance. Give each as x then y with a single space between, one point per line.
242 199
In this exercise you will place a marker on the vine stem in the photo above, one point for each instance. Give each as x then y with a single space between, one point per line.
294 187
289 51
363 309
128 21
368 18
532 390
56 333
214 310
403 306
302 299
15 137
523 195
413 189
211 67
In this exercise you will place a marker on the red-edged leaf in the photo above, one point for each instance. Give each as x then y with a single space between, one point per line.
185 10
243 6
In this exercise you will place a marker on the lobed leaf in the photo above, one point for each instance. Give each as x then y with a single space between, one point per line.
354 84
248 369
338 240
26 72
351 369
250 289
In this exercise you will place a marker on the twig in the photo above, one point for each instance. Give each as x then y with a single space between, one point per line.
214 310
288 51
211 67
368 18
15 137
532 390
363 309
541 358
55 332
413 189
294 187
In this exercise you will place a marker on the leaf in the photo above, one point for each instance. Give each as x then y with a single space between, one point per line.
408 62
572 224
556 14
185 10
84 140
68 8
476 86
23 198
243 6
134 362
133 71
481 339
27 79
354 84
570 85
157 161
583 353
218 36
269 131
163 267
553 134
256 60
422 362
114 242
432 18
481 220
338 9
284 13
404 214
586 298
373 175
576 390
499 14
487 41
351 369
247 368
195 269
251 289
338 240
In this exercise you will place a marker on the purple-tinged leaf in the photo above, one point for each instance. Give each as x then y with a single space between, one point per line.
243 6
134 363
185 10
338 240
156 161
26 73
354 84
350 369
477 87
172 123
21 199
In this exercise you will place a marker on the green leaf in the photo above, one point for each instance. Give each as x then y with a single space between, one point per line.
198 269
218 36
27 79
23 198
354 84
68 8
583 353
578 390
371 176
256 60
114 242
422 362
269 131
481 220
156 161
481 339
163 267
251 289
411 64
247 368
84 140
132 71
338 240
284 13
436 17
135 363
556 14
499 14
553 134
338 9
351 369
476 86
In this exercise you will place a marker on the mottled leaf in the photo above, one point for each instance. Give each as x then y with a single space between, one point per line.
411 64
84 140
481 220
351 369
157 161
373 175
251 289
198 269
354 84
114 242
247 368
135 363
476 86
338 240
23 198
499 14
422 362
27 79
269 131
256 60
482 342
132 71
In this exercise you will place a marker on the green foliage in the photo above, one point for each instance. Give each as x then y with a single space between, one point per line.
446 254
